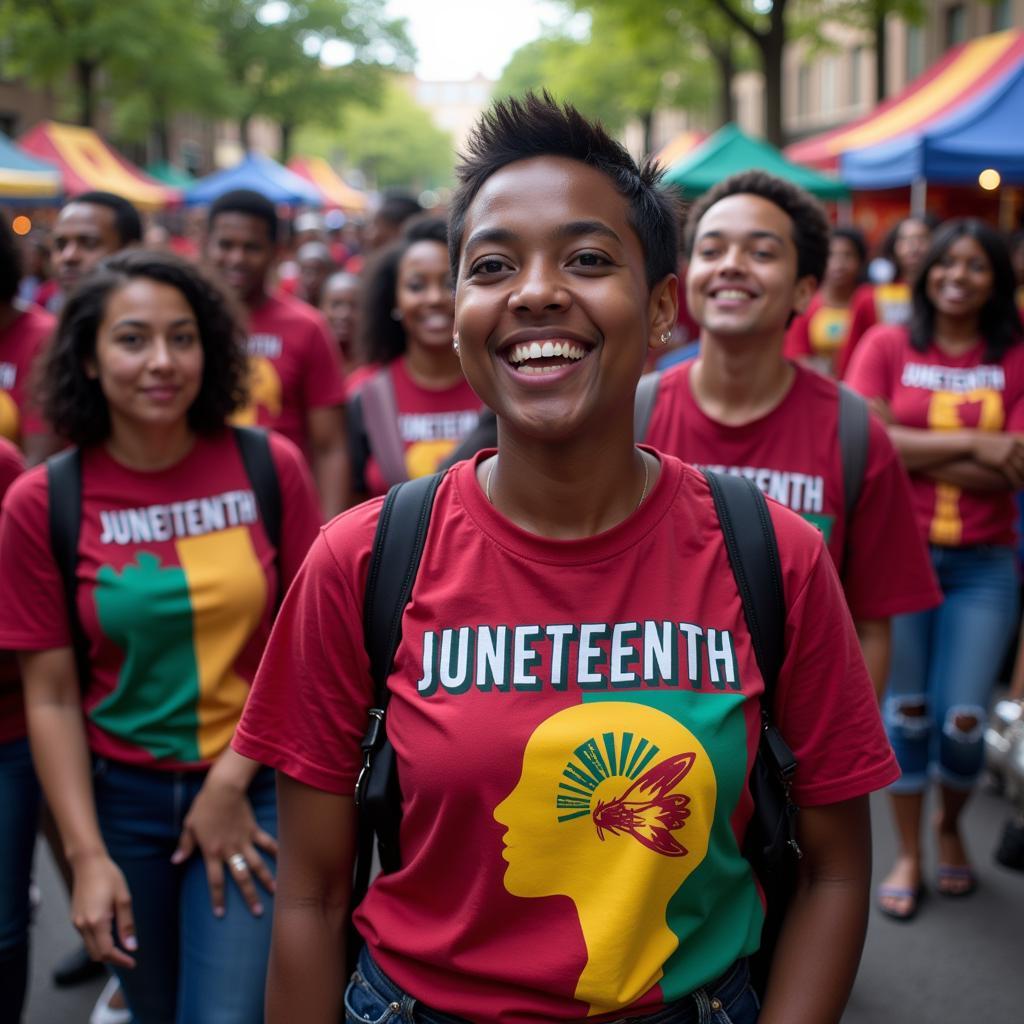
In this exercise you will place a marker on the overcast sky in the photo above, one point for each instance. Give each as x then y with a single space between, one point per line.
455 39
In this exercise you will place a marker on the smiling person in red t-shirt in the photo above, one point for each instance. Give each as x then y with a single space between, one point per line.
757 247
296 384
409 414
575 701
952 388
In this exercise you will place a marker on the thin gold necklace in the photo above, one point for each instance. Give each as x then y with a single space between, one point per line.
643 492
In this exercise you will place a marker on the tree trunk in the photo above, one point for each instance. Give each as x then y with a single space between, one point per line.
162 140
85 73
772 46
243 132
287 137
721 53
647 122
881 51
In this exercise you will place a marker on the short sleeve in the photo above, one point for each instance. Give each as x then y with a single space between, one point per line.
306 712
887 570
323 382
300 506
825 706
11 465
33 611
869 370
862 317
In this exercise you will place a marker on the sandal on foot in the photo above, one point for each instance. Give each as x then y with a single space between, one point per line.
956 880
913 897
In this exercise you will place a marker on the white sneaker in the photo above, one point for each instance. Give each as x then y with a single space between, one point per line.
103 1012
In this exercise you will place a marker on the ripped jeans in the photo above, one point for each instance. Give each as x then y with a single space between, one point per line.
944 666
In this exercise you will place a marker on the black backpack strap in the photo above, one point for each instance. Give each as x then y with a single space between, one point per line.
254 446
397 549
64 481
754 558
854 428
643 406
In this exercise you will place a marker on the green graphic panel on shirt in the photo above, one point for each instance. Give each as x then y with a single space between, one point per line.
821 522
146 611
716 912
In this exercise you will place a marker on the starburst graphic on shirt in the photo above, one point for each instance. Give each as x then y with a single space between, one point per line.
649 808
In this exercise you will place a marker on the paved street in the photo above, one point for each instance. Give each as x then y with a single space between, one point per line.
960 962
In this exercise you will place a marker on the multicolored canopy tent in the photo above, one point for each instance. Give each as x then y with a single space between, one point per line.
335 191
170 175
260 174
729 151
679 146
966 79
23 178
87 163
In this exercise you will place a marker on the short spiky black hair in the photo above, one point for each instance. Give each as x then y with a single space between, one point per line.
810 225
537 125
252 204
127 221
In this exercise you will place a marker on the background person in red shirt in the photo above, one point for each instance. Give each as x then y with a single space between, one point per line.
527 697
952 388
410 414
25 330
757 247
296 385
19 809
177 581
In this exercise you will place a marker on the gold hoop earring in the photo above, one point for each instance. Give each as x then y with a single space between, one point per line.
666 337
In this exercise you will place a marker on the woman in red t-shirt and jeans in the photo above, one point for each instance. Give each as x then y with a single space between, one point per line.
177 579
951 387
575 700
408 415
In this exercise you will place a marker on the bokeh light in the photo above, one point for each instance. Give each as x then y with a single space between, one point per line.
21 225
989 179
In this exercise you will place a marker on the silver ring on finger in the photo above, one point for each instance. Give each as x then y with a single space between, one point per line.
238 863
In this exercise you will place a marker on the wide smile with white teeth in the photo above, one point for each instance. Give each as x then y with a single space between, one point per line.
527 356
731 294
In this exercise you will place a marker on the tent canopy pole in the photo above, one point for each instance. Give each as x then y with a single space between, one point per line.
918 197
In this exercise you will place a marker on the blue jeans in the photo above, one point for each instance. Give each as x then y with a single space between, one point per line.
191 967
19 817
373 998
946 661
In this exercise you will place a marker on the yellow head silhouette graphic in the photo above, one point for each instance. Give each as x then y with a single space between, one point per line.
264 392
614 810
10 425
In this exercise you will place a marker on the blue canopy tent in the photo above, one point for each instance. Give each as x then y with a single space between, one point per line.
986 133
260 174
25 179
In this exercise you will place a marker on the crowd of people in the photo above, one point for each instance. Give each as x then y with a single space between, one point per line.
195 454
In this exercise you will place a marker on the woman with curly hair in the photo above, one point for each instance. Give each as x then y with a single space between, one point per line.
137 661
413 411
951 387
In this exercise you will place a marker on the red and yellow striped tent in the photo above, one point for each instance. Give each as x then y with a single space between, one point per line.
86 163
679 146
336 192
963 75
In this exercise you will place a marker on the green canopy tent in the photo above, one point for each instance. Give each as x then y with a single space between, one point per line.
170 175
729 151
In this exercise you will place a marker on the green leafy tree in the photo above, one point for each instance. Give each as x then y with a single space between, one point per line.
392 144
304 62
108 49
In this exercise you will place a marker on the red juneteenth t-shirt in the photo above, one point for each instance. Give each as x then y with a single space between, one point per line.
431 424
934 391
819 335
574 723
21 342
177 589
12 711
294 367
874 304
792 453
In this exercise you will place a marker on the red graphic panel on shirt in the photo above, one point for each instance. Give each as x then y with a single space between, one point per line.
933 391
573 731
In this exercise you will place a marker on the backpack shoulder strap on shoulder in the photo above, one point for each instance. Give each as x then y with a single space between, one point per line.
643 407
854 424
397 549
380 419
254 446
754 558
64 482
